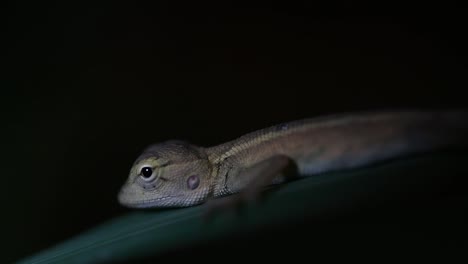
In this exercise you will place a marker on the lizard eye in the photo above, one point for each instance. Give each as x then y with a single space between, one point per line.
146 173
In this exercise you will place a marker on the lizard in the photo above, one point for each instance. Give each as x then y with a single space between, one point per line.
175 173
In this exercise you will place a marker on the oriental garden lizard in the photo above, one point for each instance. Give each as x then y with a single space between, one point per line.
178 174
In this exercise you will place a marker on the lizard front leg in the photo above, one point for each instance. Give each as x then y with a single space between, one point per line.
248 183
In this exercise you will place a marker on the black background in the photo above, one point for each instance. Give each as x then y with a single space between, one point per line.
87 86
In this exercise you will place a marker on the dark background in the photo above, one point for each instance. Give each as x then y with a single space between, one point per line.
86 87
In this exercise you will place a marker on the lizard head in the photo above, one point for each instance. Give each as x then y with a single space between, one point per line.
168 174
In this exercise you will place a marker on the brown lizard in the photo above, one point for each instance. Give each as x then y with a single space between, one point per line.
179 174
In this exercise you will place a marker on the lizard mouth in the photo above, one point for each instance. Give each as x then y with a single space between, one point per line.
127 201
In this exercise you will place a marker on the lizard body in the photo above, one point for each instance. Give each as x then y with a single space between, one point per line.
179 174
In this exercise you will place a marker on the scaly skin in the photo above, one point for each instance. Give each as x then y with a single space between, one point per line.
179 174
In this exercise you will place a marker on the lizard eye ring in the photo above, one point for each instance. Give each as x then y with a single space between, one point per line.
147 174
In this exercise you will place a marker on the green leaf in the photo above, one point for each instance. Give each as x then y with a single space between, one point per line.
144 234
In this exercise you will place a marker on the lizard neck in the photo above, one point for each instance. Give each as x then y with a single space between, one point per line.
220 169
